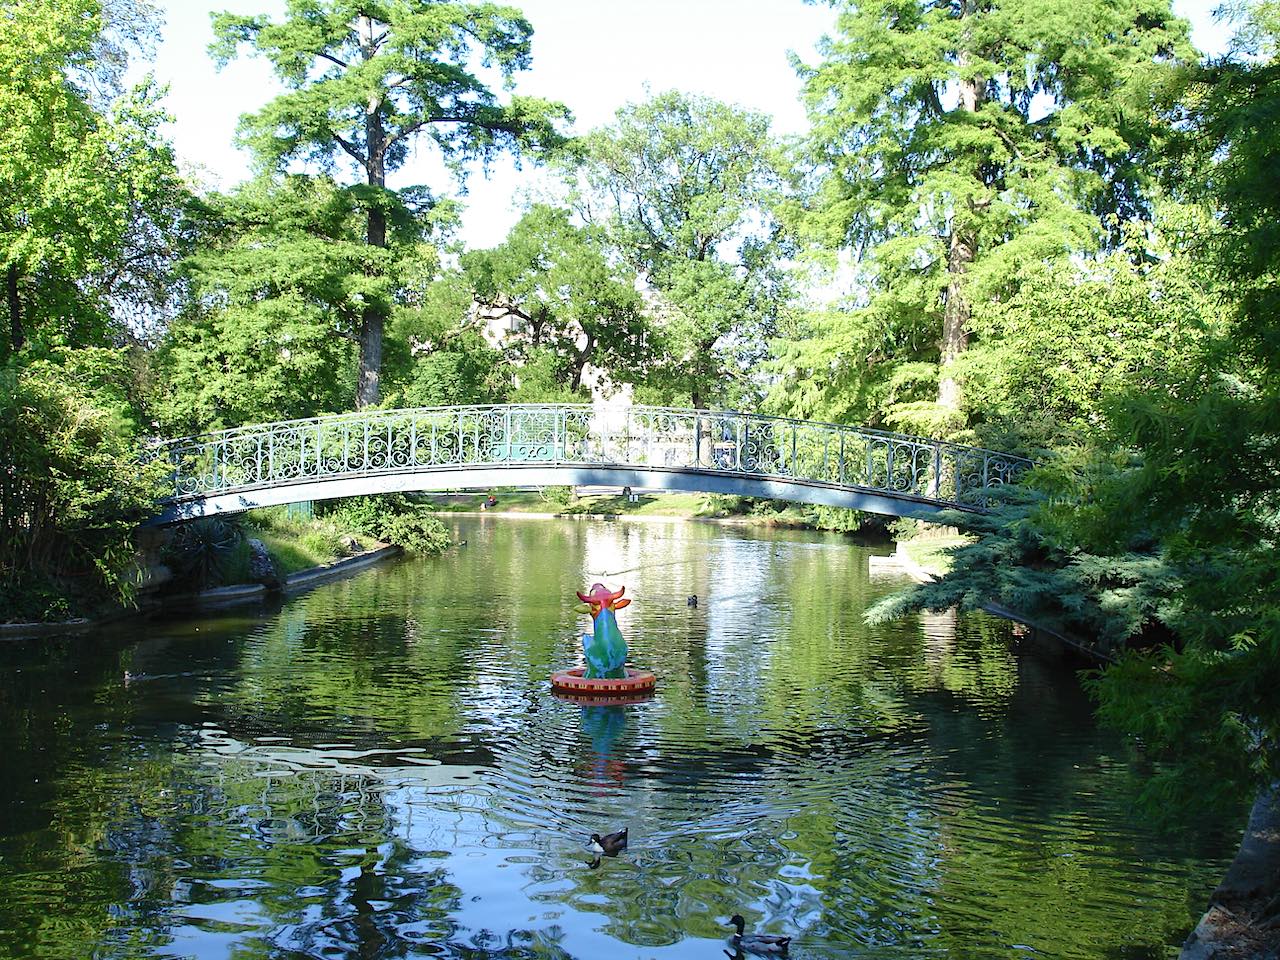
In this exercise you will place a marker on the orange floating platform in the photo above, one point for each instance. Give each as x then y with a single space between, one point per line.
636 684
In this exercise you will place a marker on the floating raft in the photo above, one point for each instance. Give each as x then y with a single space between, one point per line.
636 684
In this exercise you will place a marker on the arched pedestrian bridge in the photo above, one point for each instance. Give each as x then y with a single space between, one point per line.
479 447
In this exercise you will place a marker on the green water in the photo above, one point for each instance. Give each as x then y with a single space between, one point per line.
378 769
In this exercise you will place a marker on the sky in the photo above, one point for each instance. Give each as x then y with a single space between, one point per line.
593 55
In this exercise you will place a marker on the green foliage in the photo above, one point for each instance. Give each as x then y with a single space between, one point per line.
1029 557
416 532
552 286
814 516
541 379
392 518
294 543
684 187
558 496
89 195
1053 360
1209 484
201 552
73 484
435 356
274 302
952 147
361 82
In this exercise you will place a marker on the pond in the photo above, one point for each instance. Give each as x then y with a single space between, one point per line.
379 769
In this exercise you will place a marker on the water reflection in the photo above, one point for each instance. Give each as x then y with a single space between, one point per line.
378 769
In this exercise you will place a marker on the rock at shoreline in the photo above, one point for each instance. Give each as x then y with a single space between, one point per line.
262 568
1243 920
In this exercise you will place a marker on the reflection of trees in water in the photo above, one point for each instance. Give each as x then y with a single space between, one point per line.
856 785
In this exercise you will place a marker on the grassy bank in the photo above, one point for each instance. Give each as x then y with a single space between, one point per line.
294 543
215 551
560 501
931 551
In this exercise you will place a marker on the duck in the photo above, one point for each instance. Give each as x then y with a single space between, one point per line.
611 844
691 600
766 943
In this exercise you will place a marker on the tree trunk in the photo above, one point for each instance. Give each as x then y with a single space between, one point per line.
372 321
580 362
955 318
373 317
962 247
16 336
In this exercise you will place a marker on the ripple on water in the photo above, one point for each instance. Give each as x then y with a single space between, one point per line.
378 768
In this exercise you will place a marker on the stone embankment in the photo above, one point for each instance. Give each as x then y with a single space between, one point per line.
294 582
217 597
1243 919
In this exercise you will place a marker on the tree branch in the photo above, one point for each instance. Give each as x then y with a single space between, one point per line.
404 132
350 149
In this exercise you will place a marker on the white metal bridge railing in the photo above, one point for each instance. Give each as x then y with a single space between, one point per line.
376 442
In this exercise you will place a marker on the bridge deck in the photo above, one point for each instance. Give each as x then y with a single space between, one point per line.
644 447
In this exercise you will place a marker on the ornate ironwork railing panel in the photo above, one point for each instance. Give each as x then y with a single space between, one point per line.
643 438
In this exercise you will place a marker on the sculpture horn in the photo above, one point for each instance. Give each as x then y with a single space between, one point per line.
615 596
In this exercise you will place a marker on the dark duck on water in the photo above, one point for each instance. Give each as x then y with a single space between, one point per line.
763 943
611 844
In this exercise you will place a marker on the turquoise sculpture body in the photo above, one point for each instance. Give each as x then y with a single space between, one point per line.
605 650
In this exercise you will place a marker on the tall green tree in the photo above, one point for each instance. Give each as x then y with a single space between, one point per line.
552 285
685 187
90 199
952 144
1162 541
436 354
274 298
363 79
1210 453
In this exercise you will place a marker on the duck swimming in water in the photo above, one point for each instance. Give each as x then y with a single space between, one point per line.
692 600
611 844
765 943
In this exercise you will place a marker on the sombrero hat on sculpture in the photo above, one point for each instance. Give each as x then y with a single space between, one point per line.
606 674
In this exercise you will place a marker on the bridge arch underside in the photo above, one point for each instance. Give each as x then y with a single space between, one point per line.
481 478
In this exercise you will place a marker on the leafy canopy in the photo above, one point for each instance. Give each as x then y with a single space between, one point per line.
404 63
953 147
551 285
684 186
90 200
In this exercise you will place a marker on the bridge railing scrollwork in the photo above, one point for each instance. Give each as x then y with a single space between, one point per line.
638 437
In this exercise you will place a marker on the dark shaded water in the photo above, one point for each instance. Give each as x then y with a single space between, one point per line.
378 769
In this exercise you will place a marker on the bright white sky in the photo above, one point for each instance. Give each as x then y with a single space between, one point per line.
594 55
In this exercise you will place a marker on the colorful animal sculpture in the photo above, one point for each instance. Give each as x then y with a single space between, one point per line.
605 650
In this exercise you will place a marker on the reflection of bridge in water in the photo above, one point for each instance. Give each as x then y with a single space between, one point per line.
479 447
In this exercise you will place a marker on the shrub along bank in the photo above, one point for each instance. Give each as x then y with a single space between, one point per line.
216 551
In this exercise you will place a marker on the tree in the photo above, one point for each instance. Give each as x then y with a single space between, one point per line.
954 143
552 283
273 305
365 78
436 356
684 186
1163 538
89 194
1210 458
